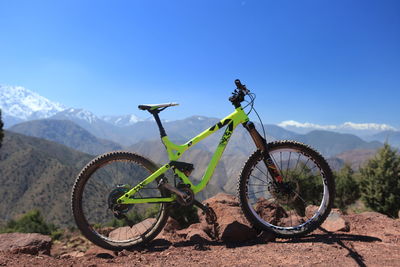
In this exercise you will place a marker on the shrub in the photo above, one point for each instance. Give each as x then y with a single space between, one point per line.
380 184
347 188
32 222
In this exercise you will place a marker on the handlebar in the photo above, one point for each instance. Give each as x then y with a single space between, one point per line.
238 84
239 93
241 86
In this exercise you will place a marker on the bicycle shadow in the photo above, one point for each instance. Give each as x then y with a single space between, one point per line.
337 238
326 237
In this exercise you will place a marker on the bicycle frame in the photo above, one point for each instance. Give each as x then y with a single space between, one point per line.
176 151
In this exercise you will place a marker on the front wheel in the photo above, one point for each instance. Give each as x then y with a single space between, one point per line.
298 204
94 201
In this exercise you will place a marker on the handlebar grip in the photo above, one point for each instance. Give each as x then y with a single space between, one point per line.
239 84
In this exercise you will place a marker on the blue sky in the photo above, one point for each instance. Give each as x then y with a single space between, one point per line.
324 62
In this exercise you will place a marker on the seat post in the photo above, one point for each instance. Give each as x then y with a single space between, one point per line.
158 121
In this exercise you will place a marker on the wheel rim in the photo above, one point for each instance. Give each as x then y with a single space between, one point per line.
301 198
118 224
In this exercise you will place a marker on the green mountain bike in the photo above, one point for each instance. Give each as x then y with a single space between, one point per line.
121 199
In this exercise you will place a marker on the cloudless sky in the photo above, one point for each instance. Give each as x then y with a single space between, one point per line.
319 61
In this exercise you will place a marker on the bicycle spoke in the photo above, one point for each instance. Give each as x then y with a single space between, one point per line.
262 172
298 158
259 184
254 193
287 168
259 179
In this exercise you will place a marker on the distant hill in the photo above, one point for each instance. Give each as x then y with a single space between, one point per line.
36 173
357 158
392 137
67 133
331 143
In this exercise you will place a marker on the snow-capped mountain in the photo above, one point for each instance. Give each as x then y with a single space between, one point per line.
20 104
121 121
360 129
77 114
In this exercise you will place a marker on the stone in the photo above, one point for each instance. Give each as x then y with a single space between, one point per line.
98 252
335 222
31 243
231 225
73 254
172 225
270 211
310 210
266 236
194 233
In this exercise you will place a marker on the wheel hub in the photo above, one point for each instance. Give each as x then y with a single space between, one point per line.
118 210
284 192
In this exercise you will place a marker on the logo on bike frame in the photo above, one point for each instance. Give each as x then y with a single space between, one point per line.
227 134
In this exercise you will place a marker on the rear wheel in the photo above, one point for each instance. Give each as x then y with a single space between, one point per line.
297 205
98 216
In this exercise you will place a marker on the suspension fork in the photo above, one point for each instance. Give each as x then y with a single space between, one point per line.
261 144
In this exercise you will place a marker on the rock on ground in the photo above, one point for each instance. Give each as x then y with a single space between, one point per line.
335 222
31 243
231 226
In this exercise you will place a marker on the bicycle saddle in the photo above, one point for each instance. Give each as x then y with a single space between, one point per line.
156 106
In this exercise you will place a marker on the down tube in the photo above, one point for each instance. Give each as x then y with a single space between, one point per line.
215 158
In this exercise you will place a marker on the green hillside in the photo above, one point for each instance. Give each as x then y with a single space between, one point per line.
35 173
67 133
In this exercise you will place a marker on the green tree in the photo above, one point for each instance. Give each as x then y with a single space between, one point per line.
306 183
1 130
347 188
380 184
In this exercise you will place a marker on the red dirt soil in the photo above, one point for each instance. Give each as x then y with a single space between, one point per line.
373 240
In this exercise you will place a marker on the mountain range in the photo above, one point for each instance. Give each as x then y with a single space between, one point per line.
37 173
360 129
43 153
84 131
19 104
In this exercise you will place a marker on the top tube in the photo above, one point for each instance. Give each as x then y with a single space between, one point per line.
176 151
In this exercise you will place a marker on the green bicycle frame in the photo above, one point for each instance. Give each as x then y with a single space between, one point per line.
176 151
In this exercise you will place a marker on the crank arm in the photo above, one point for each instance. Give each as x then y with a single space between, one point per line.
174 190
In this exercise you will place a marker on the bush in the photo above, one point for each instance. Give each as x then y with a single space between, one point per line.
32 222
308 185
347 188
380 184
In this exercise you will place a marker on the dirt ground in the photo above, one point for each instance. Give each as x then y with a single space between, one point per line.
373 240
